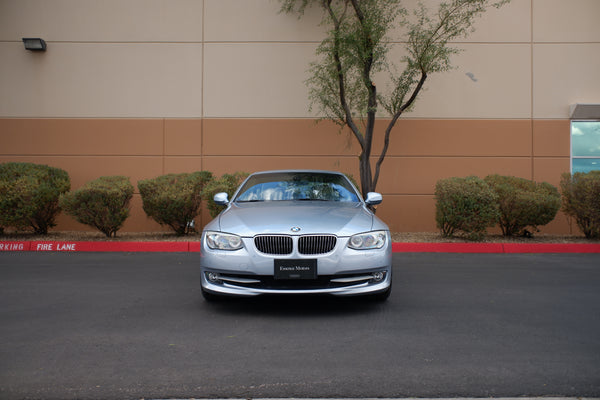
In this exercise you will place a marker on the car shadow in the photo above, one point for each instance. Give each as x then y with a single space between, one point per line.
294 306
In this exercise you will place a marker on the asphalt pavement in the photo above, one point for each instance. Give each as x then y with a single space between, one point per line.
134 325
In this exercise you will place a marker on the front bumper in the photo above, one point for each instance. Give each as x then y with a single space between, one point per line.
341 272
362 283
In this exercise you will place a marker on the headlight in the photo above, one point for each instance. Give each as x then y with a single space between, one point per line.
223 241
367 241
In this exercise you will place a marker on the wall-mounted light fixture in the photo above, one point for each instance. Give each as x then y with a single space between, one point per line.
34 44
585 111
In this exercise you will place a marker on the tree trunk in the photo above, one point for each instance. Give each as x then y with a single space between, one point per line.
366 181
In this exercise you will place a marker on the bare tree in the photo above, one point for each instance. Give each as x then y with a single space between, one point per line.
357 47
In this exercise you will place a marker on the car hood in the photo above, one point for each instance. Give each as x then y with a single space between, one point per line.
341 219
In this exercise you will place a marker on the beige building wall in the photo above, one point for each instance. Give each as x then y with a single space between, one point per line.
147 87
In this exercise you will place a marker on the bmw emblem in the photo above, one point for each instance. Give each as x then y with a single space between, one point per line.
295 229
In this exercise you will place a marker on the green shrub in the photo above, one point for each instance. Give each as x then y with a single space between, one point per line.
466 205
581 200
523 203
228 183
14 194
175 199
29 195
102 203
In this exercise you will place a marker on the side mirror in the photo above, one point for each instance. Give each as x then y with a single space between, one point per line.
373 199
221 199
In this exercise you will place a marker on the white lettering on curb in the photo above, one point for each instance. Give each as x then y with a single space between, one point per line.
56 247
12 247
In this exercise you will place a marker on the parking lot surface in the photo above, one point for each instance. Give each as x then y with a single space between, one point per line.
128 326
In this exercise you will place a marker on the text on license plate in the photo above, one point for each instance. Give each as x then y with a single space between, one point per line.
296 269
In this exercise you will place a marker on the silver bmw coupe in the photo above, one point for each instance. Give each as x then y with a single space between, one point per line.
296 232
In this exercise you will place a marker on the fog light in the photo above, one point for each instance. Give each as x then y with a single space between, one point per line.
213 277
378 276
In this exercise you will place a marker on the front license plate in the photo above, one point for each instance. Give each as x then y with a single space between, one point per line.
295 269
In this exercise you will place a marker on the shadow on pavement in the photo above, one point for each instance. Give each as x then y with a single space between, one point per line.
294 306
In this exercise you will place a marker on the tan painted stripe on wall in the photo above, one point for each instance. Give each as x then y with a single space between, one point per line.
103 21
409 138
231 58
564 74
101 80
82 137
551 138
484 138
566 21
422 151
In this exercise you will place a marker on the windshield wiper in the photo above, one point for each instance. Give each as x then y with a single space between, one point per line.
312 199
249 201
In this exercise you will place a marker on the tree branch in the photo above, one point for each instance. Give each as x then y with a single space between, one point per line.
388 130
340 73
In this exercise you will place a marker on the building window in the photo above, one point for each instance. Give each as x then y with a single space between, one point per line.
585 146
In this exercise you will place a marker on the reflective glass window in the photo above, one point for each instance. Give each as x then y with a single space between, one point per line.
585 146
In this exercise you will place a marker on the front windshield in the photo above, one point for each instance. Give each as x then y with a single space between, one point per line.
282 186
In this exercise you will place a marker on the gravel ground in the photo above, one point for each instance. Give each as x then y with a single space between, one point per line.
85 236
435 237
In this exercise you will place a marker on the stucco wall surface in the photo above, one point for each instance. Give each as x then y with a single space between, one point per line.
147 87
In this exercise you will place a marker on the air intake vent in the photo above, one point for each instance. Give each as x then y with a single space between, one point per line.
317 244
274 244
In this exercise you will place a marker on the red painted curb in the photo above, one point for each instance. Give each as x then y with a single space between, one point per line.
551 248
511 248
14 246
396 247
112 246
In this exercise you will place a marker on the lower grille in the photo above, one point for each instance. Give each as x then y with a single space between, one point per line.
269 282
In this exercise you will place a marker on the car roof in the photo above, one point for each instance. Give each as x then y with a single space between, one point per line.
316 171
